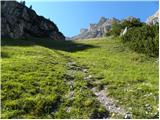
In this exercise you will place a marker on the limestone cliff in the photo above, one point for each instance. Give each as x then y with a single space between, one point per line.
153 19
19 21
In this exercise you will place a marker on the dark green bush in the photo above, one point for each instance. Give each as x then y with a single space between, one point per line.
116 29
143 39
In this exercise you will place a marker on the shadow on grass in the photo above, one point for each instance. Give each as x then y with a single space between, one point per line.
69 46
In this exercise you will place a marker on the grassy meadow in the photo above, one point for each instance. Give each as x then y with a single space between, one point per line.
42 78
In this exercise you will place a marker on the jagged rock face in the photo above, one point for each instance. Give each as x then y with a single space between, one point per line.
19 21
153 19
83 30
96 30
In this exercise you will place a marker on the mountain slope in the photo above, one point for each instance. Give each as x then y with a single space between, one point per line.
54 79
19 21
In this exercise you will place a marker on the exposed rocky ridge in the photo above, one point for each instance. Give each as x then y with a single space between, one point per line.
153 19
19 21
105 24
96 30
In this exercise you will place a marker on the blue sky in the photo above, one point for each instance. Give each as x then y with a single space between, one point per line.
71 16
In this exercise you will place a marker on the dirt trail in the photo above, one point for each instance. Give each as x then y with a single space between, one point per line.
109 103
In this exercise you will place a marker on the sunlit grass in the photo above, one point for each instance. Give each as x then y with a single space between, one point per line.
131 78
36 79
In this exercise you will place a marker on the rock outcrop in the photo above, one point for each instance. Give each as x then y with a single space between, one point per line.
154 19
96 30
19 21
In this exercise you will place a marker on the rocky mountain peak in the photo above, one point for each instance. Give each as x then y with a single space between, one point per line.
102 20
113 19
96 30
19 21
151 20
83 30
101 28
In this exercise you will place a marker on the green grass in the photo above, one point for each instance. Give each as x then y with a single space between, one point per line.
36 79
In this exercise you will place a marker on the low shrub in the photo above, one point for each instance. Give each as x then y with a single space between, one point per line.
143 39
116 29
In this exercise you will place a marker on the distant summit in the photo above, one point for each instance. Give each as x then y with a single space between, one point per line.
153 19
105 25
96 30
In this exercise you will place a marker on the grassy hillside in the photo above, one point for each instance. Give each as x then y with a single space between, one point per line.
51 79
